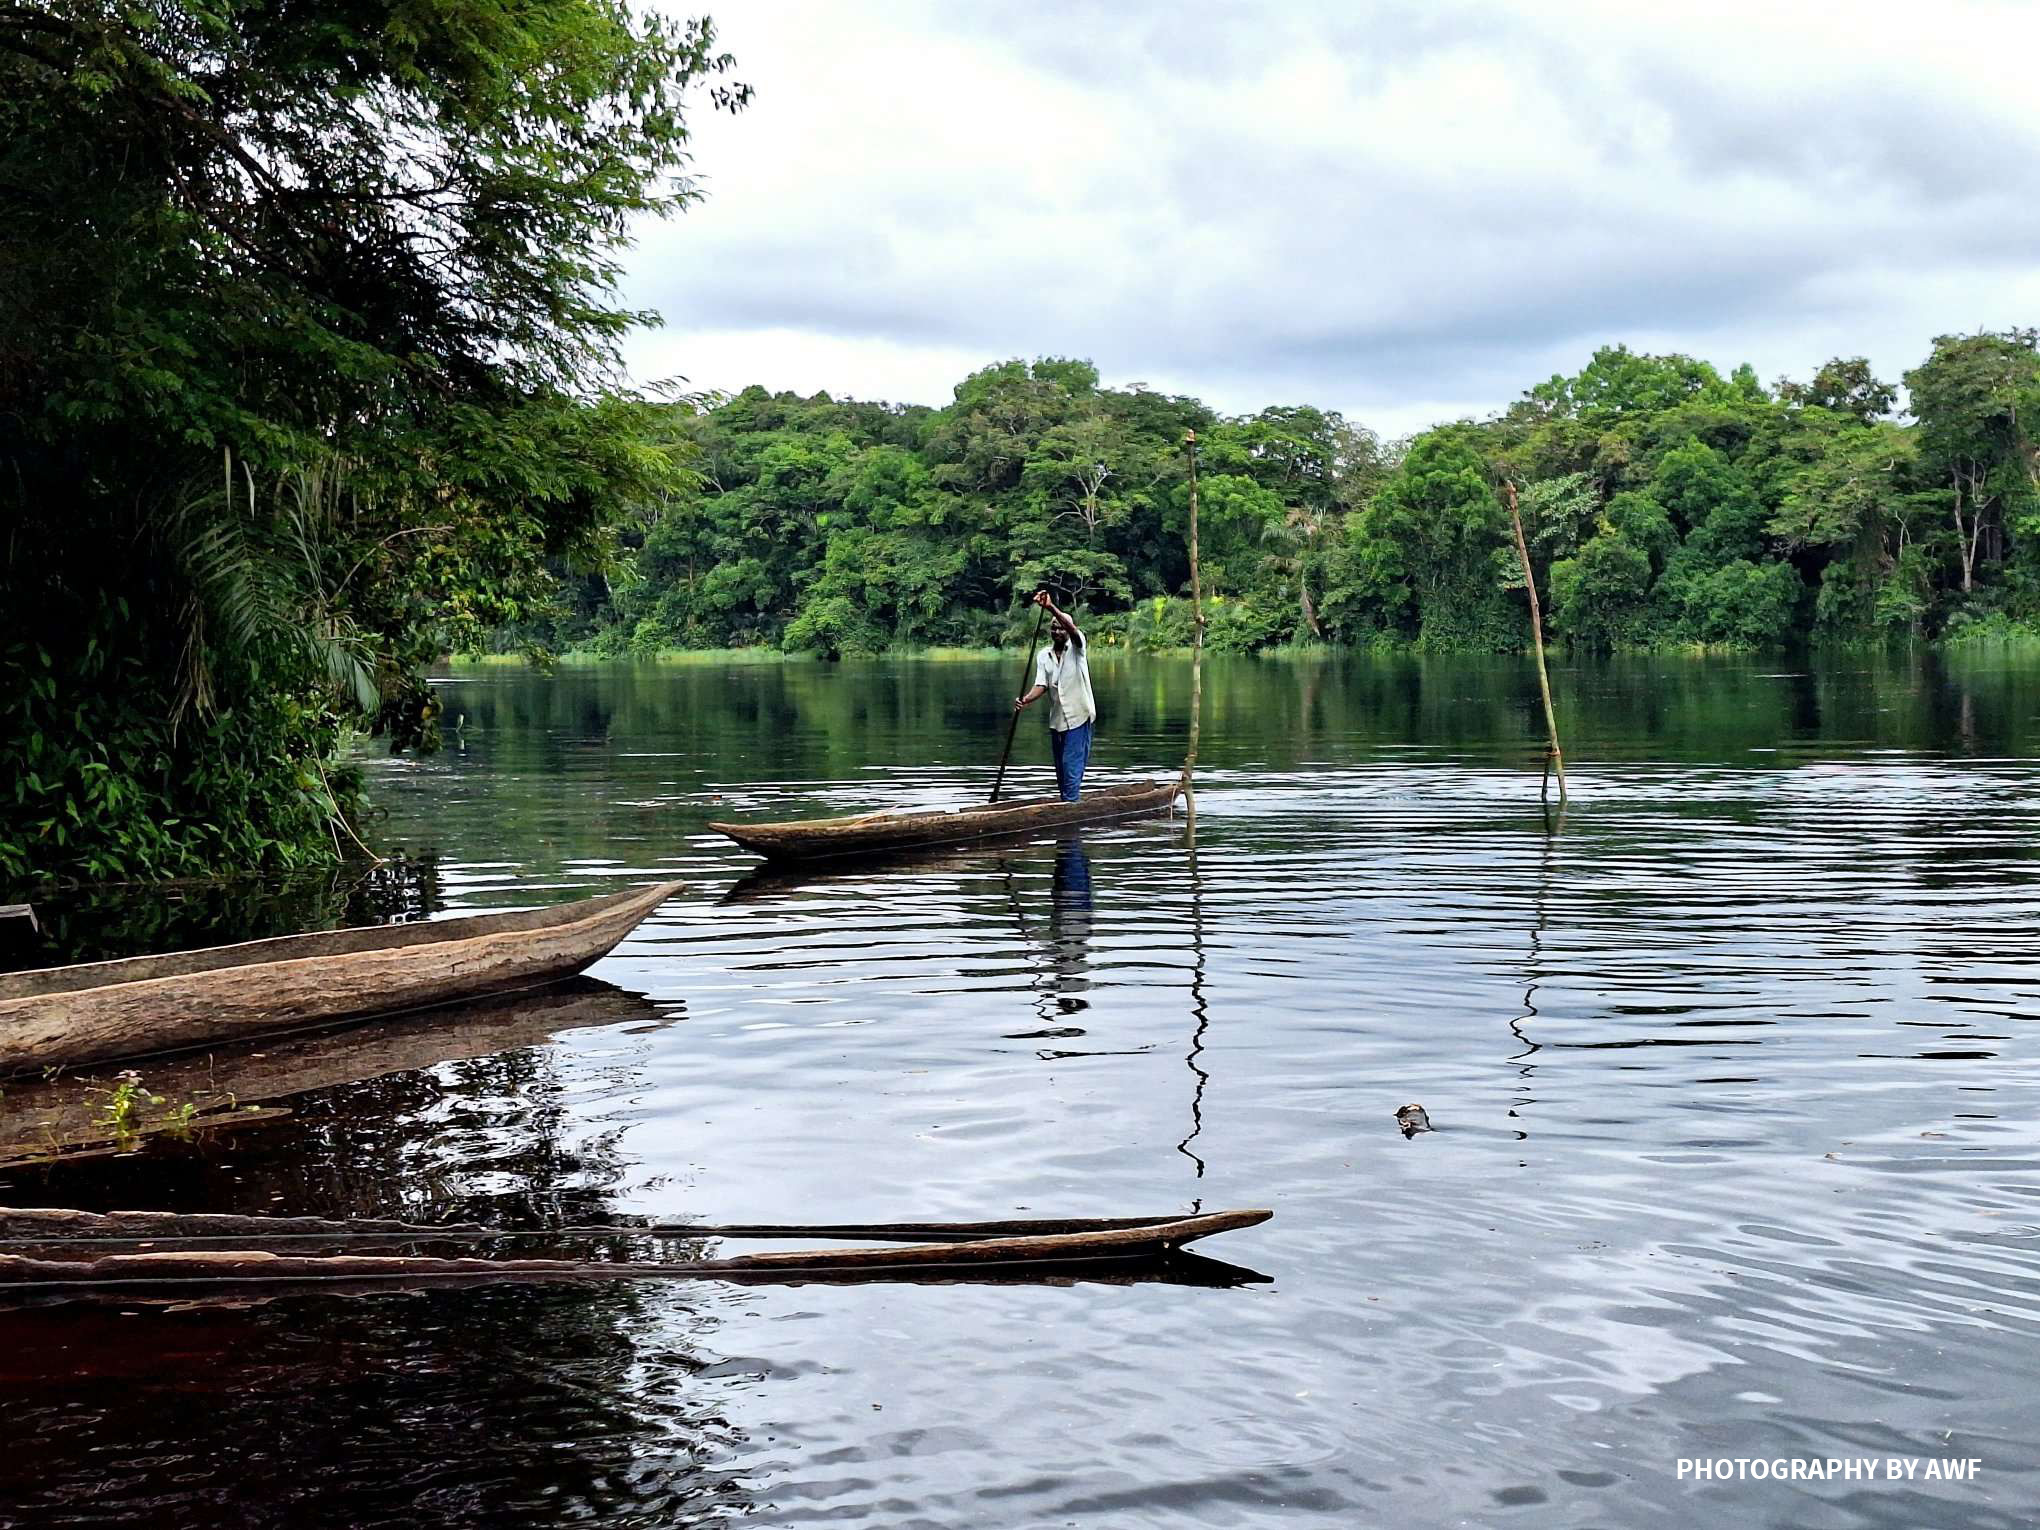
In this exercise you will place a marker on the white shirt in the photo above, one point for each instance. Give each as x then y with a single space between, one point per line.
1068 680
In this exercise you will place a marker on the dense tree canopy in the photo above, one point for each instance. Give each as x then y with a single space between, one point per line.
306 375
1669 505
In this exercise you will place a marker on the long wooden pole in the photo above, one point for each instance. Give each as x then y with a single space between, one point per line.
1026 668
1196 648
1554 756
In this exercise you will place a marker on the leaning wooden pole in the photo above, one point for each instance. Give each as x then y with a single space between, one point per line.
1013 727
1554 756
1196 648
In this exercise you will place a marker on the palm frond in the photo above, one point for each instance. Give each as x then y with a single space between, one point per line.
256 580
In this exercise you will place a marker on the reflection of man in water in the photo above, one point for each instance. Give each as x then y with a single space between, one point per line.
1069 924
1063 674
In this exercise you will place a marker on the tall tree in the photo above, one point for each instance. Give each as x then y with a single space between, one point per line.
1974 397
1846 385
309 334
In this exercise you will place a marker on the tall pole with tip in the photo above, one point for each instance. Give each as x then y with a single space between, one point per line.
1196 647
1554 757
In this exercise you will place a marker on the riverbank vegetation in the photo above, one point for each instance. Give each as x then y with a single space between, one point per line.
307 375
1669 506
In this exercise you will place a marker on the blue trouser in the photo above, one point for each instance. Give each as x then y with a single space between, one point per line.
1072 751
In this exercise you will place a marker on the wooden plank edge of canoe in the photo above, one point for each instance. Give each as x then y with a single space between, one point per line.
15 1072
473 924
892 817
257 1267
766 840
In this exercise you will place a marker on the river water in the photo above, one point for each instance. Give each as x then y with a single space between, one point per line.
1733 1070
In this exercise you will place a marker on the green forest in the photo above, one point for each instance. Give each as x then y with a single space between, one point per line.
310 374
1668 506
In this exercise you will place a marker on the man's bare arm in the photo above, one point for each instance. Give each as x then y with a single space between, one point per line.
1059 617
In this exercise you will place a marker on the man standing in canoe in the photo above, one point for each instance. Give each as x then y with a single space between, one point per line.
1063 675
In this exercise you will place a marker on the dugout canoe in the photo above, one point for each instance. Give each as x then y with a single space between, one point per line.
140 1005
769 879
808 839
953 1248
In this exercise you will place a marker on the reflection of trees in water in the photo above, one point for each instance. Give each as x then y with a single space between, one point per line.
400 889
489 1138
519 1405
86 924
509 1405
562 770
752 722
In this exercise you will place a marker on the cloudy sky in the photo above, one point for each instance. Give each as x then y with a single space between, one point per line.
1406 212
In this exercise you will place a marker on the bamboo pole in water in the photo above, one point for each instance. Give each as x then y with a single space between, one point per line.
1554 757
1196 648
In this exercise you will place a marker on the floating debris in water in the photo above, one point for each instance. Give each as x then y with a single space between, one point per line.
1411 1119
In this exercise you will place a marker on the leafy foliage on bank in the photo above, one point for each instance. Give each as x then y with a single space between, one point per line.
1669 506
307 342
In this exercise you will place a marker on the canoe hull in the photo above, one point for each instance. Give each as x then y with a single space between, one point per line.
108 1010
239 1084
1146 1239
878 833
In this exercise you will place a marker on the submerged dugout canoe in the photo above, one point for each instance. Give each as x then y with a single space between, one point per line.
238 1084
99 1011
808 839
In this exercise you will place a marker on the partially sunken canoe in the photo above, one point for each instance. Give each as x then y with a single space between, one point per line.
66 1115
260 1266
98 1011
871 833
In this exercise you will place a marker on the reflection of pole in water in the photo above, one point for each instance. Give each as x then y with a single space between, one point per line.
1196 654
1200 1006
1043 1000
1528 1070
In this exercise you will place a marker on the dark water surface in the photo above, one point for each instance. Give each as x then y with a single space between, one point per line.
1734 1073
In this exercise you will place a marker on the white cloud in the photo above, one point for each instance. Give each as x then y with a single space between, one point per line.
1407 212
